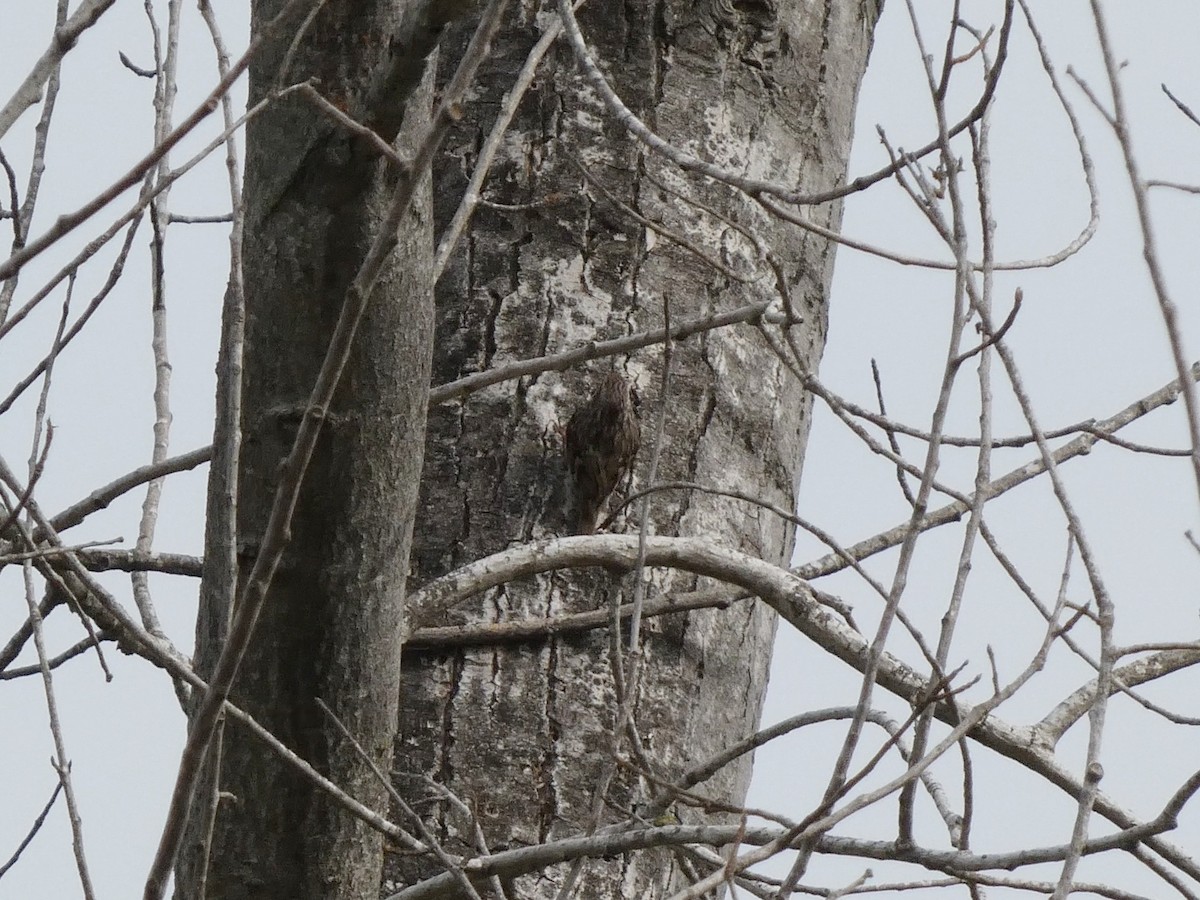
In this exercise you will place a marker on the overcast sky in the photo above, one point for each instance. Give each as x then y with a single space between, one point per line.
1089 340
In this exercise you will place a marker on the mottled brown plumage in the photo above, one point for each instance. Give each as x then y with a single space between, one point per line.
599 444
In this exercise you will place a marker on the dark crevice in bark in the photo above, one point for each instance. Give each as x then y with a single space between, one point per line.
516 249
662 40
445 747
549 761
489 331
826 19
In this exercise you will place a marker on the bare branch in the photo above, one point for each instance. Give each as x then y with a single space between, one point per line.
65 38
953 511
33 830
101 497
559 362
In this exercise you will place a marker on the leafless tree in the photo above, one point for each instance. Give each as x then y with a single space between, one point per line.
518 356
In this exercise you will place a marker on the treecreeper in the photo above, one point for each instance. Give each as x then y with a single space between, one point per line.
600 443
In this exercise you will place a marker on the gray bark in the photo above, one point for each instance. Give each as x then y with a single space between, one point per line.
333 618
767 89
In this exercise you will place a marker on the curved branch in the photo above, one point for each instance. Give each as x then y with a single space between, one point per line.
1075 706
793 598
514 863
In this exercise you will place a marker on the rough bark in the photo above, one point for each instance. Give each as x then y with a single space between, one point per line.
767 89
331 626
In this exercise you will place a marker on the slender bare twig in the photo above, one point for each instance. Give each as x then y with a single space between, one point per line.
12 649
14 203
382 147
1051 728
23 214
480 840
660 425
135 211
33 830
140 71
110 282
673 236
166 65
51 552
12 512
487 153
983 463
450 864
60 761
101 497
219 588
76 649
1068 711
891 434
1093 771
953 511
1180 105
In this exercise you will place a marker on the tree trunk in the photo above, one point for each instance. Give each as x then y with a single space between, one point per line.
522 732
332 623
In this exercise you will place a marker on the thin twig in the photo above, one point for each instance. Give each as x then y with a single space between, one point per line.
1167 307
495 139
754 187
23 216
166 64
60 761
33 830
450 864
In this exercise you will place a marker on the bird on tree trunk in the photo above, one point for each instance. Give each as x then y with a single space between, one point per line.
599 445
